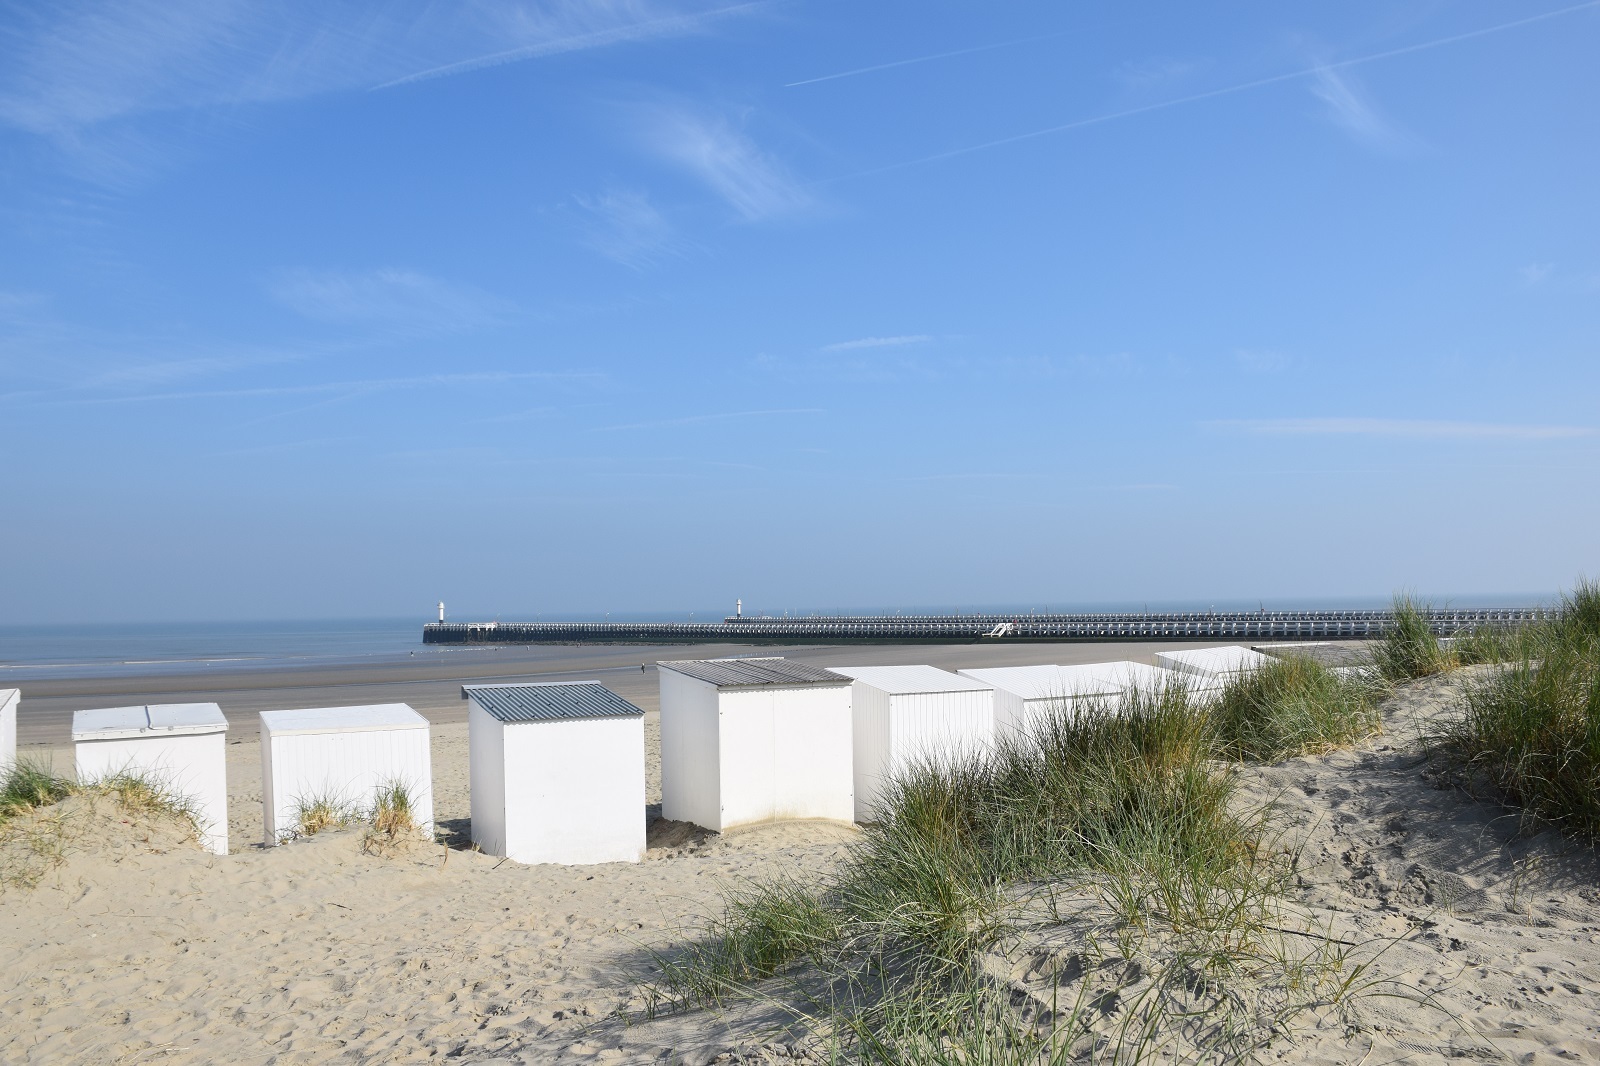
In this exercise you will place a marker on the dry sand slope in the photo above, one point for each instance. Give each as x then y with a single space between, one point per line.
149 951
1497 931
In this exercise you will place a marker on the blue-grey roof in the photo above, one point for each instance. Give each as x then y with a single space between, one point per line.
552 701
744 673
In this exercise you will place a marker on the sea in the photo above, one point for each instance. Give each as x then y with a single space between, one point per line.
41 652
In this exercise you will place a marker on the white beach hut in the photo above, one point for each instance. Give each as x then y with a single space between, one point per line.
754 740
1219 664
343 755
1024 696
9 698
180 746
557 772
910 715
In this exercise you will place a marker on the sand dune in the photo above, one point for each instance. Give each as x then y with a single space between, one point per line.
1496 953
143 949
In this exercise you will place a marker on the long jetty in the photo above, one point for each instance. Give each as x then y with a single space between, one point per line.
977 628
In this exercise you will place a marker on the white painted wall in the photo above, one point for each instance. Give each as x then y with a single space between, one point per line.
344 763
691 746
9 698
1033 714
1026 696
894 732
1008 713
740 756
873 753
486 766
786 753
191 765
574 791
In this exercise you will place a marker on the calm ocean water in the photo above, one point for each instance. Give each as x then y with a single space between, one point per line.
39 652
69 650
83 650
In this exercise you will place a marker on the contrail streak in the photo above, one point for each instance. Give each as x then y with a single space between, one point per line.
1225 91
633 31
922 59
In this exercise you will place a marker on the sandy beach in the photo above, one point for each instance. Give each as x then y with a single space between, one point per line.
141 948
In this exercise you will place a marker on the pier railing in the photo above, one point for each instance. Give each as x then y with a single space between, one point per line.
976 628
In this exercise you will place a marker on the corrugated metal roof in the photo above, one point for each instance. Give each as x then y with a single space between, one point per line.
747 673
550 701
911 680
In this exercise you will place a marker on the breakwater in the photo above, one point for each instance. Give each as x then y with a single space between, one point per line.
975 628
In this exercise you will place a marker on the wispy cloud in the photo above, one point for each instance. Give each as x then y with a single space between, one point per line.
722 416
922 59
77 71
286 446
1399 427
1349 109
1260 361
975 477
354 387
876 342
44 354
625 226
145 373
530 414
573 27
13 301
1537 273
1229 90
1147 73
394 299
722 157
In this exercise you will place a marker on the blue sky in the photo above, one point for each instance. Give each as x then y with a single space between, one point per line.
337 309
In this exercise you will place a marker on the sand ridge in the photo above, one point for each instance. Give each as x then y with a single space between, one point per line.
316 952
1490 932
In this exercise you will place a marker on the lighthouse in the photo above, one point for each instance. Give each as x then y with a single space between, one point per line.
441 610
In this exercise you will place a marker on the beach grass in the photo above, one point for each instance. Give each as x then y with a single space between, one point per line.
1531 726
391 820
1409 649
1118 809
144 795
35 828
1293 706
28 785
321 813
763 928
